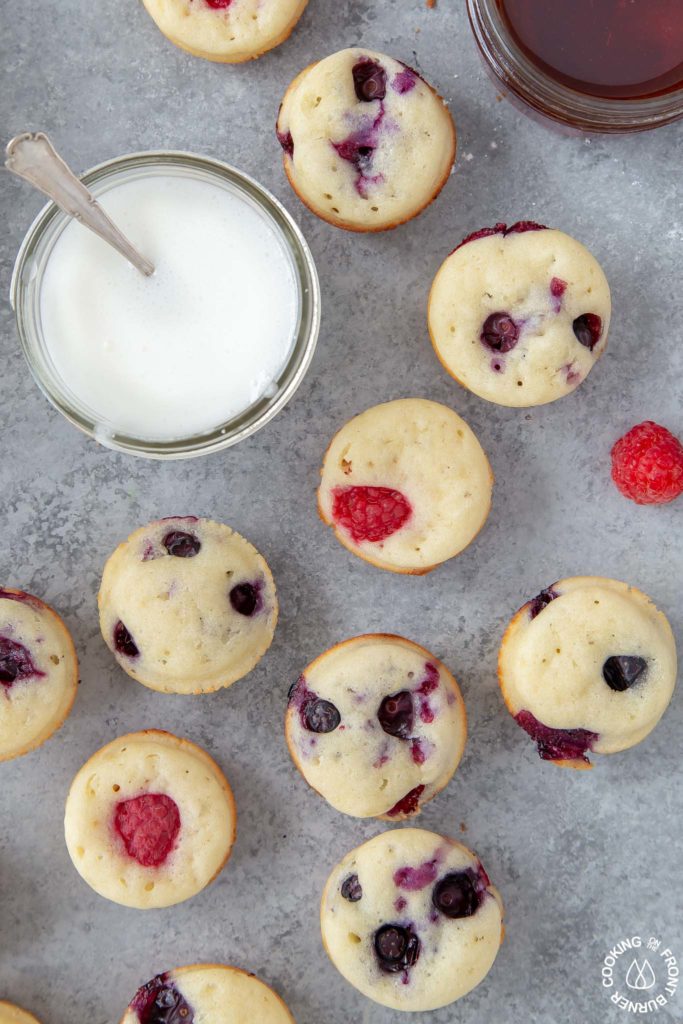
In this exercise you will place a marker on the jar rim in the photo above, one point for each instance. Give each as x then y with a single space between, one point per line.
25 293
551 98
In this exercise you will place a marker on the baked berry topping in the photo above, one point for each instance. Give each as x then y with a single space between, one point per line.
622 671
431 679
351 889
520 226
647 464
418 751
557 744
246 598
357 149
181 545
500 333
501 229
149 826
404 81
321 716
286 141
407 804
557 287
370 513
396 948
15 663
396 714
369 80
588 328
160 1002
219 5
458 894
123 641
414 879
541 601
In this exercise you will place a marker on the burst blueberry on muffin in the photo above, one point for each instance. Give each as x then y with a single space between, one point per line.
405 485
377 726
227 31
519 315
206 992
150 820
367 142
587 665
187 605
411 919
38 672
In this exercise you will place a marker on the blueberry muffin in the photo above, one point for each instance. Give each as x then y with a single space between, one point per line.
150 820
411 919
206 992
227 31
405 485
519 315
187 605
38 672
377 726
587 665
11 1014
367 142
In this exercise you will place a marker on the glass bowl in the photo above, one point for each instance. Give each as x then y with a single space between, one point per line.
575 110
35 252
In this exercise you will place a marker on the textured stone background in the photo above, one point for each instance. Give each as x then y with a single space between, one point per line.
582 859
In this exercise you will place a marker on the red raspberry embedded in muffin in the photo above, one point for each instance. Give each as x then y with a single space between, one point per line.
219 5
407 804
149 826
370 513
647 464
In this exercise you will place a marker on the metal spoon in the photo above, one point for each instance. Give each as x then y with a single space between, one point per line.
32 156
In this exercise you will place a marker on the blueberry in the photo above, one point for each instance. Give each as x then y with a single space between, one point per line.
286 141
500 332
15 662
320 716
244 597
588 328
123 641
456 894
369 80
396 714
397 948
160 1002
351 889
541 601
622 671
181 545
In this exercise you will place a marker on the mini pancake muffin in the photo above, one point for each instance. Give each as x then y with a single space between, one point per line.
587 665
227 31
206 992
187 605
11 1014
411 919
367 142
377 726
519 315
405 485
150 820
38 672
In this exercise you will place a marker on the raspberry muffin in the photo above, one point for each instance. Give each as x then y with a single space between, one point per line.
377 726
411 919
187 605
38 672
405 485
519 315
150 820
587 665
11 1014
367 142
206 992
227 31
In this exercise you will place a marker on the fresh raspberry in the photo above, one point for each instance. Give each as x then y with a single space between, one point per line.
370 513
149 826
647 464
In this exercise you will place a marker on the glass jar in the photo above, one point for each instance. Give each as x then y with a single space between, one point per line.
525 81
33 257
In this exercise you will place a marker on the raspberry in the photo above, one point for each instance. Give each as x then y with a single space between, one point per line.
407 804
502 229
149 826
647 464
370 513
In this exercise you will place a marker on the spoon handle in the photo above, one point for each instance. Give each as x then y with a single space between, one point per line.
33 157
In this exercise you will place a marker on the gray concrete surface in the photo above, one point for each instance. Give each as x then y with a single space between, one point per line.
582 859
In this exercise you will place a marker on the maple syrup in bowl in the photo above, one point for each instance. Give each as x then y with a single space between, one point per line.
593 65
